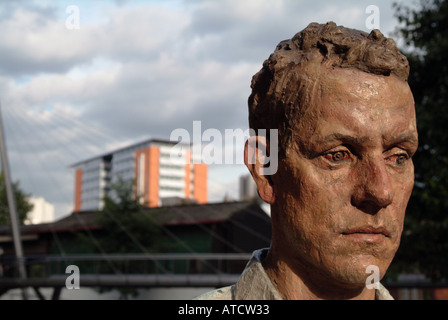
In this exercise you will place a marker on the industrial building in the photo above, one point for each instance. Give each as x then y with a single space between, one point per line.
160 170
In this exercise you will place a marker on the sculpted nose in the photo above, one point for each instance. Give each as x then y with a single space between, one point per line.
374 188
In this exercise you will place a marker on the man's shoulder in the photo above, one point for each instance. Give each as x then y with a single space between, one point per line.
224 293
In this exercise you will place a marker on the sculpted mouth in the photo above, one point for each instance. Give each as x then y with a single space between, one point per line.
367 231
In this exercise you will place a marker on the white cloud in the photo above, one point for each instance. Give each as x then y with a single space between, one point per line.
137 70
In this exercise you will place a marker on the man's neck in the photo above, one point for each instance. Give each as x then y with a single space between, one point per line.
302 283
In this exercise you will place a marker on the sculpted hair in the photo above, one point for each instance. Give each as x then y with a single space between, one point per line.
280 91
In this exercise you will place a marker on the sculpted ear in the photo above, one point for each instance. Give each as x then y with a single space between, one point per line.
255 154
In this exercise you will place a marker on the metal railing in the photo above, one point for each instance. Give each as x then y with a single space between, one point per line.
132 270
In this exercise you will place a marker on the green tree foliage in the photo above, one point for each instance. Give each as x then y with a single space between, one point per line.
127 226
22 204
425 239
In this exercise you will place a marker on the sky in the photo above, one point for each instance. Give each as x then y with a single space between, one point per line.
82 78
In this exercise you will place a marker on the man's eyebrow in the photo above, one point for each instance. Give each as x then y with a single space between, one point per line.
344 138
407 137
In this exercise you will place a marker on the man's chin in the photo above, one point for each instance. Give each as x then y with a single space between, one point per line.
357 271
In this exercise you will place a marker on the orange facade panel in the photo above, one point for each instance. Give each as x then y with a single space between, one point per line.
78 190
153 175
147 175
200 183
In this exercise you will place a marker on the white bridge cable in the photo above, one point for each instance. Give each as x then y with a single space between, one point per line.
128 232
247 210
24 119
90 128
63 137
38 130
134 239
88 135
59 187
184 244
96 243
12 136
253 232
213 234
246 228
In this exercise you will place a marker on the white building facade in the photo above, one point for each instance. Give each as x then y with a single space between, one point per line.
159 169
42 212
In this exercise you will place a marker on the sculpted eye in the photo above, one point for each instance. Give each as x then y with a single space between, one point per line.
399 159
337 156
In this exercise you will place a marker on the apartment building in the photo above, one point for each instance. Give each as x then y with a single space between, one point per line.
160 169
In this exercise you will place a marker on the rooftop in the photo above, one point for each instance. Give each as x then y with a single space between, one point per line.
144 142
185 214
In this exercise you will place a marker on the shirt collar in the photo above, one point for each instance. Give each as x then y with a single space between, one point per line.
254 283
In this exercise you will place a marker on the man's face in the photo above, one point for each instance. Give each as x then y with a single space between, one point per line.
342 189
